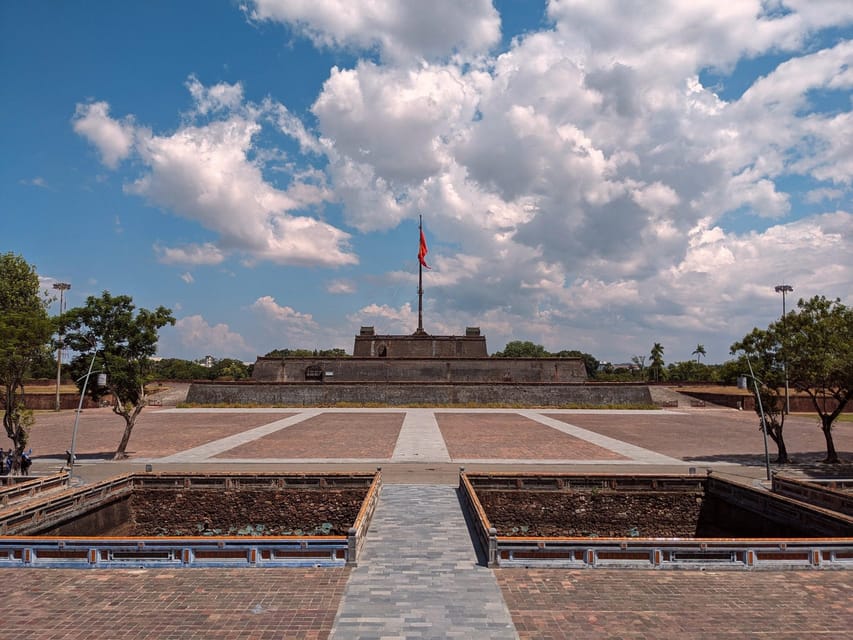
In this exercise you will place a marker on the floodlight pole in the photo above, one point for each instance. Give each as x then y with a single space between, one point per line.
62 287
755 382
783 289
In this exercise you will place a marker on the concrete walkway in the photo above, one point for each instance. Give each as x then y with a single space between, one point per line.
418 576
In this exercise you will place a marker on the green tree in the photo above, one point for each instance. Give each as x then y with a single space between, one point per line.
178 369
122 340
816 343
656 361
688 371
228 369
768 379
25 330
519 349
699 351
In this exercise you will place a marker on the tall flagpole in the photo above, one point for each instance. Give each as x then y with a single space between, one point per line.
420 330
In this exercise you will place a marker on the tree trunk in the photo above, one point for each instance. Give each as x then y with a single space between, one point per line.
826 427
775 433
783 451
129 421
129 413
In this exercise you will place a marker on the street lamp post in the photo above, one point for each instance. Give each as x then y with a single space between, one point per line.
755 382
72 456
783 289
62 287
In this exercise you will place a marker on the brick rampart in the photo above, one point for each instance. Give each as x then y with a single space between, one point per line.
406 394
425 370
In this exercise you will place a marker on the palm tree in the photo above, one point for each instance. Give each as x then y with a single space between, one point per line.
656 363
699 351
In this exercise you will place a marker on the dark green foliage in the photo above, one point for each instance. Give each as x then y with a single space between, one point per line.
177 369
228 369
122 340
519 349
307 353
25 331
815 342
656 362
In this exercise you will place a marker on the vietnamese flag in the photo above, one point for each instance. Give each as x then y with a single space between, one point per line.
422 251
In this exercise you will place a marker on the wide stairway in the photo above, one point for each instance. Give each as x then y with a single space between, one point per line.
418 576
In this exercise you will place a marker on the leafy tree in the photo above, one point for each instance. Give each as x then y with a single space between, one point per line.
25 330
228 369
333 353
689 371
307 353
816 343
590 362
122 340
769 377
43 364
519 349
728 372
178 369
656 361
699 351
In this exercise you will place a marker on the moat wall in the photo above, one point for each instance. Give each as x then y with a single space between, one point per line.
416 393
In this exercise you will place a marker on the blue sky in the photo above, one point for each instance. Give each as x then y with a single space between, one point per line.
591 175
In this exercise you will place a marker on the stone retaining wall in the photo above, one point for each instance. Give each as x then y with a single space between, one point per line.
406 394
426 370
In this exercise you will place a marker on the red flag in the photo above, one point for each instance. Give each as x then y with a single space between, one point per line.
422 251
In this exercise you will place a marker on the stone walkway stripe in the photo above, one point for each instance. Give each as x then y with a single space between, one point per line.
418 576
211 449
420 439
637 454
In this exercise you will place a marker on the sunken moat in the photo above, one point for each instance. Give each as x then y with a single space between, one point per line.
269 519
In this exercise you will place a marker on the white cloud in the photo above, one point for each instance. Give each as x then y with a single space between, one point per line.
194 335
206 172
113 138
187 277
583 188
195 254
218 97
387 319
38 181
338 287
400 30
284 326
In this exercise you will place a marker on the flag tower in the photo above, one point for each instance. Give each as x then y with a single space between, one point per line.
422 251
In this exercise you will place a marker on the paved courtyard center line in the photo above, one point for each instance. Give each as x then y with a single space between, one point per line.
420 439
418 576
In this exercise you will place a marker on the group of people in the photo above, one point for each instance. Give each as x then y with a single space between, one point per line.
7 459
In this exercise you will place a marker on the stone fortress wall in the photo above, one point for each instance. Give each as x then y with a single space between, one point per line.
418 369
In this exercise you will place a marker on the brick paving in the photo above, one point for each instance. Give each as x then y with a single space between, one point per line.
329 435
511 436
688 605
156 433
722 435
203 604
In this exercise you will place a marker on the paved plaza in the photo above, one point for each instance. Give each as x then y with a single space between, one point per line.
420 576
